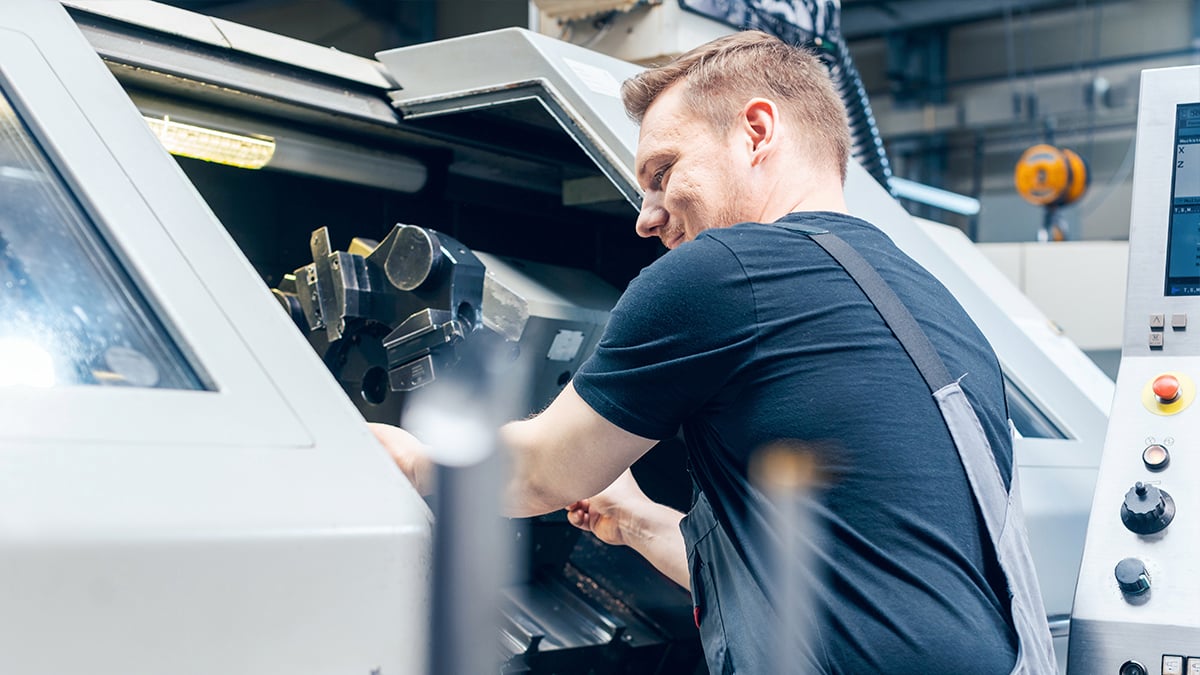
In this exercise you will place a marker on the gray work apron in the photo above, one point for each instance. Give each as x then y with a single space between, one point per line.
732 591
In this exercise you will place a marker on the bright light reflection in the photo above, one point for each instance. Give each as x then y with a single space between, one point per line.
445 420
23 362
210 145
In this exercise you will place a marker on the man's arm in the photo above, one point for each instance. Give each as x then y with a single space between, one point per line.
622 515
565 454
560 457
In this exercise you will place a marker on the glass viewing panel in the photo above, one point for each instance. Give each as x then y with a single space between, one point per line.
1027 418
69 314
1183 239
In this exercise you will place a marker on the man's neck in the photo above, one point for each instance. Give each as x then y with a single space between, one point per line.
796 187
825 200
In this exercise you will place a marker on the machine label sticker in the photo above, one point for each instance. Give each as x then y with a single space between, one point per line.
598 80
565 346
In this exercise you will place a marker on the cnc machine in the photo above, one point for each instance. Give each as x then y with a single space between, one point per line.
233 509
1137 605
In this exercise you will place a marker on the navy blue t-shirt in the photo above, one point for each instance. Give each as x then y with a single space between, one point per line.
752 335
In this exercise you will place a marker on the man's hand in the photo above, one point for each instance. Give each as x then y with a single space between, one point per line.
612 512
410 454
622 515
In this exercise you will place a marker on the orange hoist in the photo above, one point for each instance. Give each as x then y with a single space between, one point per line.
1051 177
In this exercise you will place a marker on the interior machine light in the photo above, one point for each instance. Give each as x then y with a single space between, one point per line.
210 145
23 362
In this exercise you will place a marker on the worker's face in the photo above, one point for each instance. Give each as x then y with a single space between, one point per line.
691 174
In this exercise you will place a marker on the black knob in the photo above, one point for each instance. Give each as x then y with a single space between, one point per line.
1147 509
1132 668
1132 576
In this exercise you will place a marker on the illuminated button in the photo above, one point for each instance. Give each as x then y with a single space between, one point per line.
1157 321
1179 321
1156 457
1166 388
1172 665
1156 341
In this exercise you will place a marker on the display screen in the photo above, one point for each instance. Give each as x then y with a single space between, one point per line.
70 314
1183 239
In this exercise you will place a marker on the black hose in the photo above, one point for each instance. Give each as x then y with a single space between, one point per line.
824 36
866 145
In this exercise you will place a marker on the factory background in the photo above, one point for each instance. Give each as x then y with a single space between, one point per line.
959 91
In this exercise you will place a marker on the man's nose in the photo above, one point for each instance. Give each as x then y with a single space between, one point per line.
652 216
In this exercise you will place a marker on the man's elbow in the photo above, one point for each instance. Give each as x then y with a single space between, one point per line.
534 496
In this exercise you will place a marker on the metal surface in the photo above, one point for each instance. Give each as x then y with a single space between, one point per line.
249 529
578 88
1109 627
170 56
237 37
410 304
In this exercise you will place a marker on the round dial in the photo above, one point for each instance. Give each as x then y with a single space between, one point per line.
1147 509
1132 577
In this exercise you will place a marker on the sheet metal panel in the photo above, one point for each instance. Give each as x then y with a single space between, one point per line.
255 528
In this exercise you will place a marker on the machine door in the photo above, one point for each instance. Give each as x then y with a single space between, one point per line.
540 84
142 351
183 487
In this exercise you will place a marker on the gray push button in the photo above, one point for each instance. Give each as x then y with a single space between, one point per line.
1179 321
1156 341
1193 665
1157 321
1172 665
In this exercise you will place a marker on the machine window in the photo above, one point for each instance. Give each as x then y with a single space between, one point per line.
1183 238
69 313
1027 418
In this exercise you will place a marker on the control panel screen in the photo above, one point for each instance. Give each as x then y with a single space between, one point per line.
1183 240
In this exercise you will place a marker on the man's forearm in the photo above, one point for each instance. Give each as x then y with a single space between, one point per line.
567 453
654 533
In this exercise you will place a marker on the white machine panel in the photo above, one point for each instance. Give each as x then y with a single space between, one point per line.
1137 604
183 487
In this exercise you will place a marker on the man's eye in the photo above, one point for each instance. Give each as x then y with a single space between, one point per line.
658 176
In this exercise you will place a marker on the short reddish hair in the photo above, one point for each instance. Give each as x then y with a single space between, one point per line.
721 76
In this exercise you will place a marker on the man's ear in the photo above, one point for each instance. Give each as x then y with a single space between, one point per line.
759 122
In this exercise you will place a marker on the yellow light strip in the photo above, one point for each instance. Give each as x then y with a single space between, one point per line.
210 145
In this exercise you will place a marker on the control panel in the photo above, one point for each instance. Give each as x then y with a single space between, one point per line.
1137 602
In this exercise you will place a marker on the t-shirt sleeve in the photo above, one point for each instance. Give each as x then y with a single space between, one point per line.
678 336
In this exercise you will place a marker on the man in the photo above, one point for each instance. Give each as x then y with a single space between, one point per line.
745 335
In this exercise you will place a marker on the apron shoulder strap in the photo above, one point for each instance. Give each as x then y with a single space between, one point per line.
999 506
895 314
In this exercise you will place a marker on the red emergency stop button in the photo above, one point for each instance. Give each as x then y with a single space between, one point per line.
1167 388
